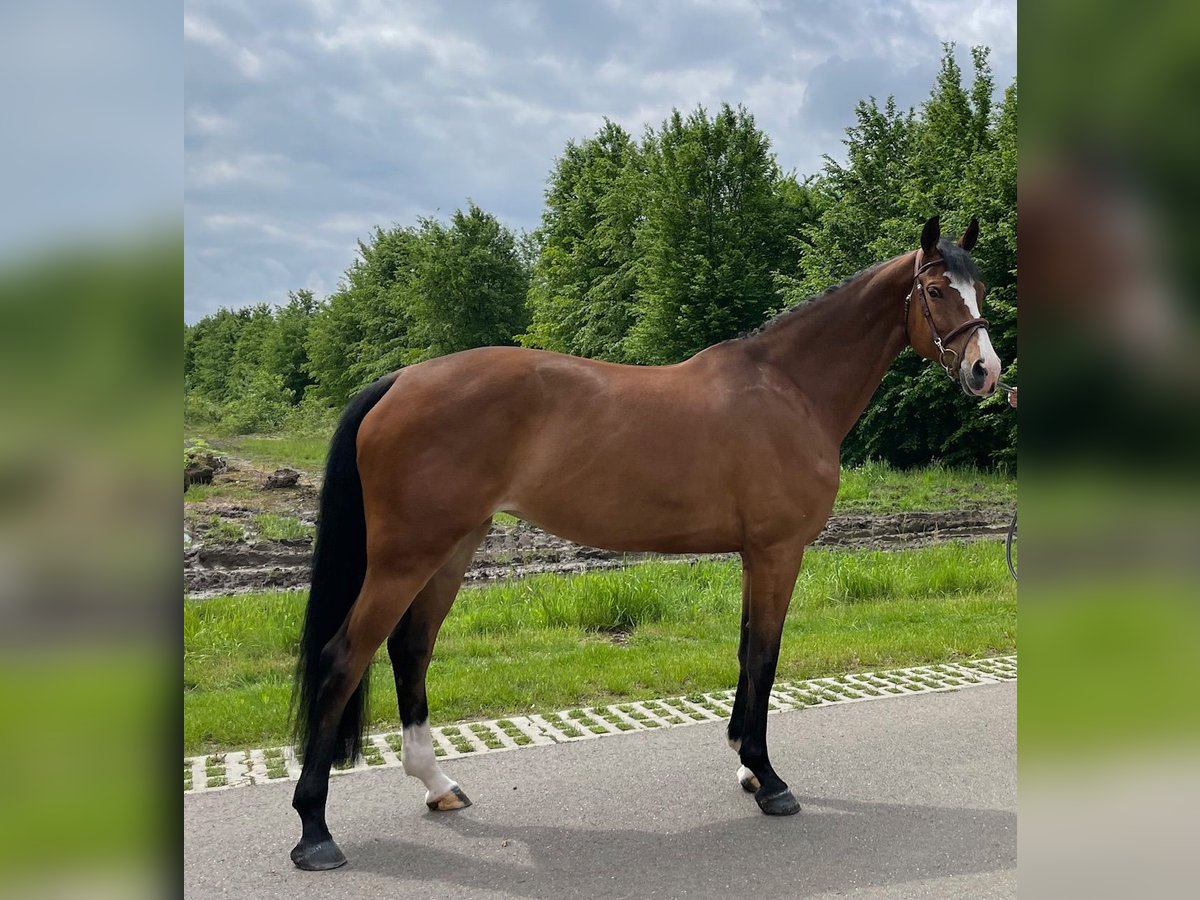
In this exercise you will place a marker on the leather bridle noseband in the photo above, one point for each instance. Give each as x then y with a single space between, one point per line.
940 340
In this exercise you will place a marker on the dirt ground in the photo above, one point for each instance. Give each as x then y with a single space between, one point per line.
217 562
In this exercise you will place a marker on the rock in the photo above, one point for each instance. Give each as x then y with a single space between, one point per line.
281 478
197 473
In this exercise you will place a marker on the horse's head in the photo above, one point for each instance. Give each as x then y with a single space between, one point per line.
944 310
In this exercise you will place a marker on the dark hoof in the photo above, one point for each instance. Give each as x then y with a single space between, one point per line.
319 856
452 799
781 803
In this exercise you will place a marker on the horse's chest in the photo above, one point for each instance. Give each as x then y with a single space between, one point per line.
793 495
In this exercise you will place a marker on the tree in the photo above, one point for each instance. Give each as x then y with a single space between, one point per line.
248 355
285 351
863 207
211 345
584 278
469 285
711 237
361 332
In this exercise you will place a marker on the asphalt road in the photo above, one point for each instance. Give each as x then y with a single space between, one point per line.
909 797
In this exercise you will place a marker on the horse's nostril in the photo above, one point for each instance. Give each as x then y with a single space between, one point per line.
979 370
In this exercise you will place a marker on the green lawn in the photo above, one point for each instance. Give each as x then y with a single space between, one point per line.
545 642
270 452
877 487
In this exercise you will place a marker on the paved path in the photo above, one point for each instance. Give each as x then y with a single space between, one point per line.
909 797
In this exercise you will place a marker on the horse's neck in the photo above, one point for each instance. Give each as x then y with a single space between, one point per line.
838 352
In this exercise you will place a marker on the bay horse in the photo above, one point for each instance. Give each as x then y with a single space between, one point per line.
733 450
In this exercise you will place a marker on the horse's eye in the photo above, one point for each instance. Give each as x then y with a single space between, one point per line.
934 292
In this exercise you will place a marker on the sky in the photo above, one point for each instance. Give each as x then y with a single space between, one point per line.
309 122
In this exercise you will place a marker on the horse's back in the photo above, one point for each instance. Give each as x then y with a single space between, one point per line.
625 457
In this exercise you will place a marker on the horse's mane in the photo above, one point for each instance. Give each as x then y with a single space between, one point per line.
806 306
958 263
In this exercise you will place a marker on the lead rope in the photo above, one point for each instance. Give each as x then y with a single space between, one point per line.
1009 541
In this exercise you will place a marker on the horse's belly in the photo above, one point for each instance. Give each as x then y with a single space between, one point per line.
631 514
633 536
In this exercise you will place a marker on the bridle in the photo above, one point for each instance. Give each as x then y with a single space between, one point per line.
939 340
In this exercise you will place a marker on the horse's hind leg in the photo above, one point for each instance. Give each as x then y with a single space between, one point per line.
410 648
388 589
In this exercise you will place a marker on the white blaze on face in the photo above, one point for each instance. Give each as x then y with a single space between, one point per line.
985 352
420 762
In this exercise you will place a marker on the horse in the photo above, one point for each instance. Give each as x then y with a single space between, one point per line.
733 450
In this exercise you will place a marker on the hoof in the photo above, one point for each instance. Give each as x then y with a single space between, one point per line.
452 799
748 780
781 803
319 856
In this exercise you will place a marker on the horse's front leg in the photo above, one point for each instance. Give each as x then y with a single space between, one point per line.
737 717
771 575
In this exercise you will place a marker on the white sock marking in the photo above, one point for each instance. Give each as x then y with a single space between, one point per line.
420 762
746 777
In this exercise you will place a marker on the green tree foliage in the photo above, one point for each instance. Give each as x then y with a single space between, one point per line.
210 346
285 350
361 331
711 236
469 286
258 402
583 280
411 293
651 253
248 352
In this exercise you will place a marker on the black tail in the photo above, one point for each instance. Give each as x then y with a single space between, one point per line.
339 566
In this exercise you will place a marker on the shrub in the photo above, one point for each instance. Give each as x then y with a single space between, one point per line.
259 404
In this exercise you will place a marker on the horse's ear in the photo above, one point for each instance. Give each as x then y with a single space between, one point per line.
930 235
970 236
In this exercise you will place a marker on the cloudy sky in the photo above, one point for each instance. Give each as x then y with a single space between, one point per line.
307 123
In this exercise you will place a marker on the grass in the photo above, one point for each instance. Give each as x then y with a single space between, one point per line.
276 767
542 643
224 531
223 490
275 527
273 451
877 487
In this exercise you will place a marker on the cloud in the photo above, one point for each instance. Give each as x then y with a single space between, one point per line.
262 169
308 123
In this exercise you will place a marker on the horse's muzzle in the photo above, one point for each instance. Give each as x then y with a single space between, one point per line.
976 379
